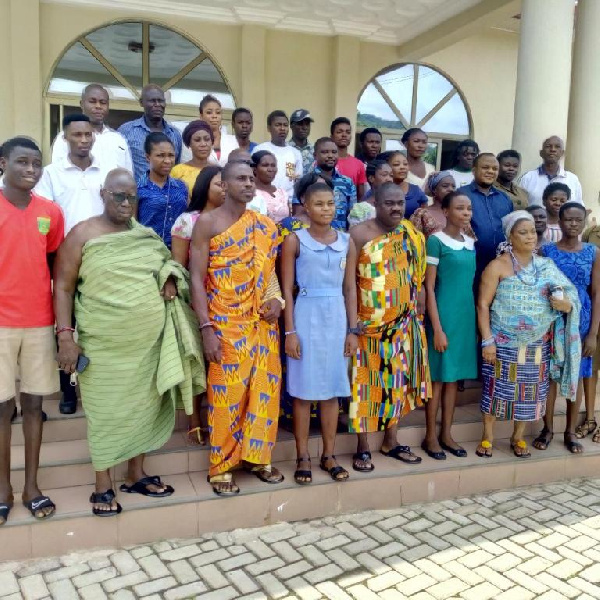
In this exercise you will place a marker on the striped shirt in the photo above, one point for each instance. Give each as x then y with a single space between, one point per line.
135 133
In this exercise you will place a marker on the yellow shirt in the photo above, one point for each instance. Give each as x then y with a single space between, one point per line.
187 174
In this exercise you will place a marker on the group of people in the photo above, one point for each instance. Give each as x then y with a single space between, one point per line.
161 281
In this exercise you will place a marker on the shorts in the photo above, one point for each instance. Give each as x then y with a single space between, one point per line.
28 354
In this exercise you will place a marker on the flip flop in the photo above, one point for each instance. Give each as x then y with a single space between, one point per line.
37 504
397 453
520 445
141 487
4 512
487 449
105 498
459 452
364 457
431 454
572 447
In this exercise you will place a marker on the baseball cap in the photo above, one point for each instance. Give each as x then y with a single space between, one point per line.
300 115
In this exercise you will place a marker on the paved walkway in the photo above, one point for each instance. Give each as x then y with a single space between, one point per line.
538 542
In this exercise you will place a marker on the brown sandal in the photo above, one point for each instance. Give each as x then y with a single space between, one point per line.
223 484
266 473
587 427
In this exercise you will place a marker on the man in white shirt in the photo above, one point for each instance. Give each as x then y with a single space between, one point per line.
110 147
550 171
289 160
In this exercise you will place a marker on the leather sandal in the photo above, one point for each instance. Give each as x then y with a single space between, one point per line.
303 476
336 473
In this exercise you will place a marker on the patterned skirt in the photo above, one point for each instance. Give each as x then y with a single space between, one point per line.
516 386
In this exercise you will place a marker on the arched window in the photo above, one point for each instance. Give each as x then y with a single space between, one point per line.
125 56
412 95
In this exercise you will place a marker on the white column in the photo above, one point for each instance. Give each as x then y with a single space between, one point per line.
543 75
584 114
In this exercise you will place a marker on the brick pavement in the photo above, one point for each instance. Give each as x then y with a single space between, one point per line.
538 542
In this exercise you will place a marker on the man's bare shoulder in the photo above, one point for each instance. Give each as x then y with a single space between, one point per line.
364 232
86 230
212 223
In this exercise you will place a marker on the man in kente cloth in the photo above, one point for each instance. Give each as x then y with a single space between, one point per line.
390 371
237 299
137 330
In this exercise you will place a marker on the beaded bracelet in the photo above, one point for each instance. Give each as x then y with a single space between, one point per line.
205 325
63 329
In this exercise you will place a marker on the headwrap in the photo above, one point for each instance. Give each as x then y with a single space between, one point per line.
511 219
192 127
436 178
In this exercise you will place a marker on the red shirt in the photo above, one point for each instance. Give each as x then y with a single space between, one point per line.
27 236
353 168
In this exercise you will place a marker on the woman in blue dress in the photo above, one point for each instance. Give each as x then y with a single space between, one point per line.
320 325
578 262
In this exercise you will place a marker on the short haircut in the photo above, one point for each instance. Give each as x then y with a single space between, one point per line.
388 186
556 186
151 86
240 155
92 86
482 156
530 209
258 156
155 138
19 141
568 205
274 115
315 188
365 132
306 181
509 154
207 100
74 118
410 132
389 154
447 200
199 198
374 166
339 121
239 111
323 140
230 166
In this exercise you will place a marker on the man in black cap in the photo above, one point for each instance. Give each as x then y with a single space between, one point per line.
300 121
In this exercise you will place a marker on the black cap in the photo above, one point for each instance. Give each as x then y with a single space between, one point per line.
300 115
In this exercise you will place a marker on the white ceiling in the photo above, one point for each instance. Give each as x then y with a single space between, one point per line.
385 21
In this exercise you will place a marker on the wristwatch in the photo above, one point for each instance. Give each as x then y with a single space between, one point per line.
354 330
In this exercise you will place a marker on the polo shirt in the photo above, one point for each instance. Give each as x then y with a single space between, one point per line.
535 182
27 236
159 207
135 132
308 154
344 194
353 168
75 190
515 193
289 165
110 148
486 221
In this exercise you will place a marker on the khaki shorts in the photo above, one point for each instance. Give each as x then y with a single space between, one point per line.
28 354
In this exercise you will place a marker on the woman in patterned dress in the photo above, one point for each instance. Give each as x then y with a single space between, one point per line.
578 261
525 338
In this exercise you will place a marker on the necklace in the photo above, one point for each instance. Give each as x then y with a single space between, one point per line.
527 275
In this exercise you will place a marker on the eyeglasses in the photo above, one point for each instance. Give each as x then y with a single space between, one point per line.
120 197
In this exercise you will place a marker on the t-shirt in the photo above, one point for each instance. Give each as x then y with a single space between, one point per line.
353 168
461 177
289 166
26 238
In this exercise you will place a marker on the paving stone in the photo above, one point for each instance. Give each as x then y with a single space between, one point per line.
191 590
8 583
212 576
303 589
93 592
117 583
272 586
155 586
416 584
332 591
565 569
182 571
265 566
242 582
447 589
154 567
61 590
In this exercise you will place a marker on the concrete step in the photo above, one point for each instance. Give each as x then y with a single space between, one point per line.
194 509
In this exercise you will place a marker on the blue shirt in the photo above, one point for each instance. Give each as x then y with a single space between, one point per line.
158 207
344 194
135 133
415 198
486 221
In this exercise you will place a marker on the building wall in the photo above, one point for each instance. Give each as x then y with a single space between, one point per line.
270 69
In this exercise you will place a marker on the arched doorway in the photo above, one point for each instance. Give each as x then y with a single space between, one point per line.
414 95
125 56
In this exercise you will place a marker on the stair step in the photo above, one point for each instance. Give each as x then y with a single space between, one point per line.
194 509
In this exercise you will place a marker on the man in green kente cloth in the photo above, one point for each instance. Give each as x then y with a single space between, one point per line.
137 330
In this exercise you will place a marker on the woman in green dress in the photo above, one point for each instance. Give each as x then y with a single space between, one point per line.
451 324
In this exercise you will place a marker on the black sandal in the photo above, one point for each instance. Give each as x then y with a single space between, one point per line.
458 452
397 453
4 512
336 473
39 503
544 439
364 457
106 497
14 416
572 447
431 454
141 487
302 476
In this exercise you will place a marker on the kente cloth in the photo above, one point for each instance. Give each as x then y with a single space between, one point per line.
390 371
145 352
521 317
243 389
